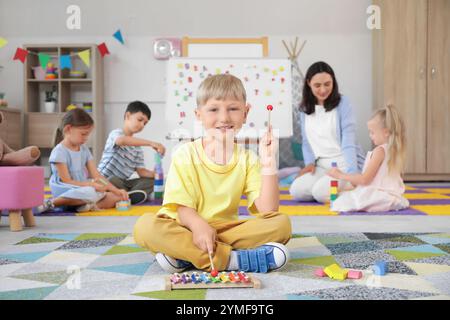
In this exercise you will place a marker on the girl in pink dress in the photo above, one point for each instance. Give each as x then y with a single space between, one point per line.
380 186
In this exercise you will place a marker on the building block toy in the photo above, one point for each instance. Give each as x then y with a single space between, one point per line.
333 186
336 272
159 178
353 274
380 268
320 273
123 205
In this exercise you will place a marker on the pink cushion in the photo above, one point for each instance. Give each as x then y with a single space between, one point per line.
21 187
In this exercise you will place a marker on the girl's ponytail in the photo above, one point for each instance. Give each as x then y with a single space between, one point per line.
58 137
76 118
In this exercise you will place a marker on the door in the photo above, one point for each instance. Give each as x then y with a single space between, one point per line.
438 140
400 61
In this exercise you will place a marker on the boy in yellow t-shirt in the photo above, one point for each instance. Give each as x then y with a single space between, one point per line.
206 180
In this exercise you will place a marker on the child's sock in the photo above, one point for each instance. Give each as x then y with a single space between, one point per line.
233 263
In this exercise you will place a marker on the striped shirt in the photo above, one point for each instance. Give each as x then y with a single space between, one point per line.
120 161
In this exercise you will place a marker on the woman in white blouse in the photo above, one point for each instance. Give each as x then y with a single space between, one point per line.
328 135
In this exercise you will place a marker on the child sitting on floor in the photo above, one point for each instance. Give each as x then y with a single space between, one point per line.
123 154
75 181
380 186
206 180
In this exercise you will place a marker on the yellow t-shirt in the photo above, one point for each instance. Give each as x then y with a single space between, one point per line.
213 190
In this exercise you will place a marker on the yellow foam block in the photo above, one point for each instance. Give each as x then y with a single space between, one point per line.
425 196
434 210
333 190
336 272
307 211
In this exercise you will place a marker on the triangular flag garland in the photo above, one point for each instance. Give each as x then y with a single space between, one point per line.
43 60
65 62
21 55
86 57
118 36
3 42
103 49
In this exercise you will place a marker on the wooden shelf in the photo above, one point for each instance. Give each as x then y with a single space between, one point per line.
43 81
75 80
40 126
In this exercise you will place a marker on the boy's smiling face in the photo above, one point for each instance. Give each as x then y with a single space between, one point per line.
222 119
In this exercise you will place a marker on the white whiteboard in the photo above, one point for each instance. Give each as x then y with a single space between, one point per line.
267 81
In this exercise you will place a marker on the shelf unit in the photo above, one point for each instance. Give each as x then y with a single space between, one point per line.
40 125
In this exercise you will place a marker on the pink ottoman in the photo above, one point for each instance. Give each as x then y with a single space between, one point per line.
21 188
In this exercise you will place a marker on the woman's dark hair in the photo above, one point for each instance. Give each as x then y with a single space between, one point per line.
309 101
76 118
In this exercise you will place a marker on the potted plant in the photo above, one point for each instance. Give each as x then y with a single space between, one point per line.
50 100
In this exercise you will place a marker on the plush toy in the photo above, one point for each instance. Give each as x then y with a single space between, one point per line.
23 157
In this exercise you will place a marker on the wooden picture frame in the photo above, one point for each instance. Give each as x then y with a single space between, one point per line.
225 47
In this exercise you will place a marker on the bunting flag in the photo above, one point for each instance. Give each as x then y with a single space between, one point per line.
103 49
43 60
86 57
20 55
65 62
118 36
3 42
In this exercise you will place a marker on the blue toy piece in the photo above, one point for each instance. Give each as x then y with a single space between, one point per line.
380 268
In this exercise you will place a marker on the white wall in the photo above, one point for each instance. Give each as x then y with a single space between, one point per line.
335 30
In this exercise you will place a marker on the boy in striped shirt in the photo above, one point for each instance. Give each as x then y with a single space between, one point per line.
123 154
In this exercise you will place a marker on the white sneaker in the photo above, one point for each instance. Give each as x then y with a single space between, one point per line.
172 265
46 206
87 207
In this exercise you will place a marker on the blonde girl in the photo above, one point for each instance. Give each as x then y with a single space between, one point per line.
380 186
